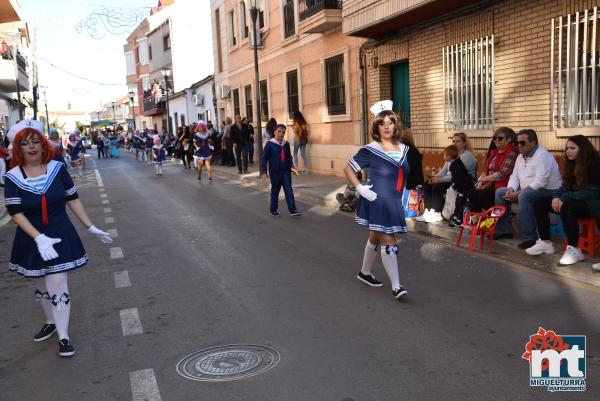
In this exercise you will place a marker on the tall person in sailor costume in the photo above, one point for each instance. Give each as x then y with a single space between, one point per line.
46 244
278 156
159 154
204 148
136 142
380 205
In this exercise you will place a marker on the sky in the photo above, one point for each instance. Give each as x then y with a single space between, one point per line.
100 59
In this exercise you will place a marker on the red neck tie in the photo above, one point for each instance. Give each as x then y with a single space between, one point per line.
400 181
282 154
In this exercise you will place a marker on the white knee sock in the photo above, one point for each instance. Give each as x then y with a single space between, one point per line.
369 258
57 287
390 262
41 296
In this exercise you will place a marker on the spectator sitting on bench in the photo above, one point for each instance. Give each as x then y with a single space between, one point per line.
462 183
578 198
535 175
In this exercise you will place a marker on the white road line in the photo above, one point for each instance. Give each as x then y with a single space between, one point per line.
103 195
101 189
130 322
144 386
109 220
107 210
116 253
113 232
105 202
98 178
122 279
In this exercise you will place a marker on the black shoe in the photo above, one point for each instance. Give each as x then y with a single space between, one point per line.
455 223
274 213
199 178
505 236
399 292
369 280
45 333
526 244
65 348
209 178
240 172
295 213
245 171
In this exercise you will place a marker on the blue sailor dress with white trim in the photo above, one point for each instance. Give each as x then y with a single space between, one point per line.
23 196
203 150
387 173
159 153
74 150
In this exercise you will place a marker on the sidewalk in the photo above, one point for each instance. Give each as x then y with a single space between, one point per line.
321 190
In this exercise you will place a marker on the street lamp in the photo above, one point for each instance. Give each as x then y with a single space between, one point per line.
114 117
131 95
253 8
166 73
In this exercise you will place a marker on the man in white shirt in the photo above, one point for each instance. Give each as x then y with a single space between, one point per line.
535 175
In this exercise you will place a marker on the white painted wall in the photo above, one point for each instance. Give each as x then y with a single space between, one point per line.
206 111
178 107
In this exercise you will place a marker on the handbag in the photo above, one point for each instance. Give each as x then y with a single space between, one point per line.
412 202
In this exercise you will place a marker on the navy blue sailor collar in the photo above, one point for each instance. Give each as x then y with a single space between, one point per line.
16 176
375 148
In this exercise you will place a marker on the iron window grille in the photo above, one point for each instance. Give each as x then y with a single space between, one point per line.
308 8
264 101
334 81
289 21
468 71
575 70
248 96
292 92
236 102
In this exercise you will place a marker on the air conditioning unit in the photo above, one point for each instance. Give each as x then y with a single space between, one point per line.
224 92
261 40
198 100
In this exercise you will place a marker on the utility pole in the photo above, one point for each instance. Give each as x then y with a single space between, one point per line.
46 103
35 75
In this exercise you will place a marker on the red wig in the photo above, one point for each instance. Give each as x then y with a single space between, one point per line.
18 159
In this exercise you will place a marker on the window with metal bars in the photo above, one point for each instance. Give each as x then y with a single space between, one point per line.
243 21
248 96
575 70
231 26
292 93
236 102
264 101
289 19
334 82
468 70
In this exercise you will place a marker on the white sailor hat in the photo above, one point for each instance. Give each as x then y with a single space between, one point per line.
14 130
381 106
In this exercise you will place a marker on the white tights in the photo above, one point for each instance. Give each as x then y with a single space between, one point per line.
56 302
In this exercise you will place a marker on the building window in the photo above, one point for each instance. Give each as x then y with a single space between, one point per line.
469 84
236 102
218 36
289 19
264 101
335 86
243 21
231 27
167 42
149 52
261 18
291 78
248 97
575 68
176 121
183 120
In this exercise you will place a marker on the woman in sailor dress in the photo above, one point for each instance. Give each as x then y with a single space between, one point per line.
159 154
59 154
136 141
203 149
74 152
46 243
380 205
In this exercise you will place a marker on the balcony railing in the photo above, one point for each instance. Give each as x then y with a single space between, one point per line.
308 8
151 106
21 62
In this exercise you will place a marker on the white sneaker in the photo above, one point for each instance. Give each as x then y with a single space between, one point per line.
423 217
435 217
571 255
540 247
596 266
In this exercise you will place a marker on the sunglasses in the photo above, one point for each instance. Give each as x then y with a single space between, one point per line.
499 138
35 141
521 143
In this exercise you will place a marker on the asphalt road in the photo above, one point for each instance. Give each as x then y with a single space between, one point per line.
208 266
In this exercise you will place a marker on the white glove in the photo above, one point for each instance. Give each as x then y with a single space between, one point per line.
103 236
365 192
45 247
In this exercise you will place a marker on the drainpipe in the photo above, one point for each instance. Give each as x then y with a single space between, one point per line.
362 95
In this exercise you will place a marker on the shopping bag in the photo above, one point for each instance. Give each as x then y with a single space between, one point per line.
412 202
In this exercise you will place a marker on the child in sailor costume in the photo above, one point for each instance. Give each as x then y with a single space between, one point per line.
159 154
74 152
136 144
380 205
58 146
203 149
278 156
46 243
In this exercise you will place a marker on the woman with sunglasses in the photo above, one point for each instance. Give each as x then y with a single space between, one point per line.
380 205
46 244
579 197
499 165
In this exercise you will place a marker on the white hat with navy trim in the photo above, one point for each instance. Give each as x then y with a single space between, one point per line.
382 106
14 130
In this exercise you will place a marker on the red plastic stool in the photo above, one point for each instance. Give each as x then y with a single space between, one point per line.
589 240
485 223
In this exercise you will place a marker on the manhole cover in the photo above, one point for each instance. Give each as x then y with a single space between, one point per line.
228 362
